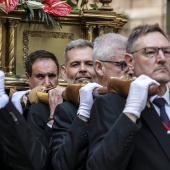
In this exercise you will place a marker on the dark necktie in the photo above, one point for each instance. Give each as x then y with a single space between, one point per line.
160 102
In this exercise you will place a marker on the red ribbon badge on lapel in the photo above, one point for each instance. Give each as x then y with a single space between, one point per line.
9 5
167 128
56 7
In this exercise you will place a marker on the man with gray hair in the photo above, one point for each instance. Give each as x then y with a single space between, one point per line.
71 123
132 133
108 57
31 151
78 64
78 68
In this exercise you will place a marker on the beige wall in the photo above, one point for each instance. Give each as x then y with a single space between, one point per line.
140 12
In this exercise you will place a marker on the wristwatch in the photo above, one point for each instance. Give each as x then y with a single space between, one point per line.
85 119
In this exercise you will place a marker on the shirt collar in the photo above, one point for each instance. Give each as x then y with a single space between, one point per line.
166 96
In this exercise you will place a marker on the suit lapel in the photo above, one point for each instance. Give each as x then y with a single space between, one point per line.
153 121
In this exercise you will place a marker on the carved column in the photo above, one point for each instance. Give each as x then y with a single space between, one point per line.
102 29
1 26
12 24
90 29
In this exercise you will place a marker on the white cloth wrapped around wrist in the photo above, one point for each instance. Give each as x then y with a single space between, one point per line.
4 99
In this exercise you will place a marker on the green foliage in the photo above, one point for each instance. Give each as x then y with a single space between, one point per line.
73 5
1 8
30 13
83 2
35 11
43 16
94 6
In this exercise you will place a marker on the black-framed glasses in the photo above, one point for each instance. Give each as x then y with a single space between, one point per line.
151 52
121 64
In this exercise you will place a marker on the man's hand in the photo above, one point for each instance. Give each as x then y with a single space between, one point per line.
86 99
138 95
55 98
3 97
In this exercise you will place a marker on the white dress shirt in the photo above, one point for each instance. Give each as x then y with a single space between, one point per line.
166 96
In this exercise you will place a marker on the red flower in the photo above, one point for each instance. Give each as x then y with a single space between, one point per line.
56 7
9 5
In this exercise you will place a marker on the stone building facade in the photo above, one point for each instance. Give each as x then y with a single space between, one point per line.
140 12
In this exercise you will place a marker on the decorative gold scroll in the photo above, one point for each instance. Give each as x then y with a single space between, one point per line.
27 34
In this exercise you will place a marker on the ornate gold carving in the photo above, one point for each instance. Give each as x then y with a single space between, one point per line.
27 34
91 23
102 30
90 29
105 5
18 83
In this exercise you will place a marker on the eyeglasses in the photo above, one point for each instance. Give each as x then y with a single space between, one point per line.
151 52
121 64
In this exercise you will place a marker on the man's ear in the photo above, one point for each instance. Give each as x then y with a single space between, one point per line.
27 77
64 72
129 60
98 66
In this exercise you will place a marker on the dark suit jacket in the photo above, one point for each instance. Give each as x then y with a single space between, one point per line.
116 143
24 151
4 159
70 139
38 116
37 119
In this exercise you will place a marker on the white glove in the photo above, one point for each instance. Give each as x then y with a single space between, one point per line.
138 94
86 99
3 97
16 99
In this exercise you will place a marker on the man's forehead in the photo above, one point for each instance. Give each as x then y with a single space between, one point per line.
43 59
84 56
82 60
43 73
79 59
44 69
152 39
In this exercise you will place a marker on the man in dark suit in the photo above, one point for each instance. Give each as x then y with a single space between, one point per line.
20 148
71 123
36 75
70 131
131 134
78 67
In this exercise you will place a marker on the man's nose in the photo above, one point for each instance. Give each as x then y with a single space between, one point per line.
160 56
47 82
82 67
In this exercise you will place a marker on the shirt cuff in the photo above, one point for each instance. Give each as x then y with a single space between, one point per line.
49 125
